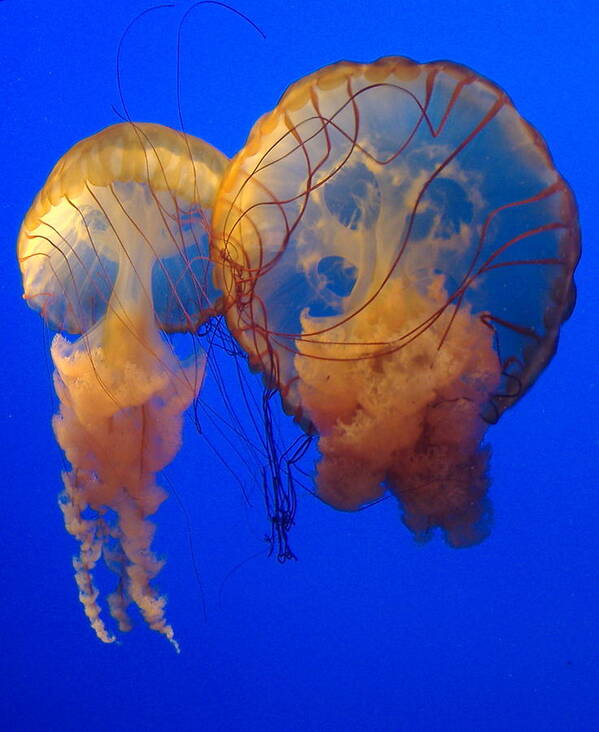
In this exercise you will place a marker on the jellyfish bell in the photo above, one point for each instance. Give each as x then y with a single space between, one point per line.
114 250
396 253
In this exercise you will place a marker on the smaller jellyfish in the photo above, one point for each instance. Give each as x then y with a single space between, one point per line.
114 250
396 255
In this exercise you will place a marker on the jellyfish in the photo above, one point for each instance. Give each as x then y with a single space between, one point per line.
114 252
396 252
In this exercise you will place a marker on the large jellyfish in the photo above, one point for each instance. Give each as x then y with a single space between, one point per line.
115 250
396 254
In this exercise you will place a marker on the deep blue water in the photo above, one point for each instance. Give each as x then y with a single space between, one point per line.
367 630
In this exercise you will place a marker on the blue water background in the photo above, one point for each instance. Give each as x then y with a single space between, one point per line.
367 630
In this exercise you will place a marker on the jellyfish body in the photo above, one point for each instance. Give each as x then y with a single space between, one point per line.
115 249
396 254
